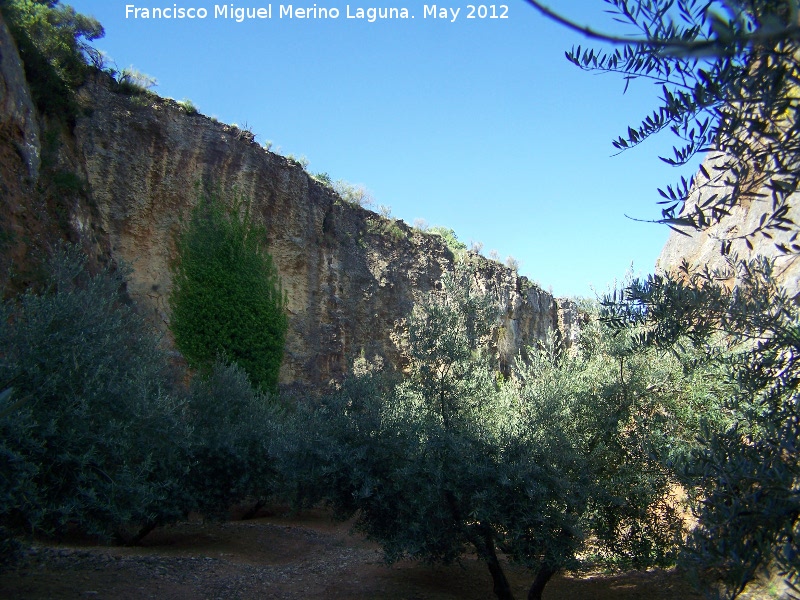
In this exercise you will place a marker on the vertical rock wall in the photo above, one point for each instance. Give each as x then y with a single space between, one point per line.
703 248
351 276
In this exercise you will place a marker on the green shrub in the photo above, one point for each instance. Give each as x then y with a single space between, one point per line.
386 227
131 82
300 160
227 298
92 438
324 179
188 106
355 194
450 239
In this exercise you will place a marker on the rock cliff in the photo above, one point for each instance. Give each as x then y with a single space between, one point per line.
139 164
703 248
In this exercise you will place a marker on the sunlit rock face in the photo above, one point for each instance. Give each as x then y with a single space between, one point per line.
351 276
703 248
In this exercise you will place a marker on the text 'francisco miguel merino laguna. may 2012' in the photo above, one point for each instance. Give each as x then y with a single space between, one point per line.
240 14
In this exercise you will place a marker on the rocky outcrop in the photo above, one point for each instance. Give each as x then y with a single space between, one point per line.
43 192
18 122
703 248
20 148
351 276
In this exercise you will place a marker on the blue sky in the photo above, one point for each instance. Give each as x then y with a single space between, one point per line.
482 126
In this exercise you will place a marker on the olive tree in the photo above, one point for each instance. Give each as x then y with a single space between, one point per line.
560 466
232 426
729 72
743 475
92 431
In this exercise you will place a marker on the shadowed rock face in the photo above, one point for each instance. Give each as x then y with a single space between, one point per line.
20 147
351 276
19 122
703 248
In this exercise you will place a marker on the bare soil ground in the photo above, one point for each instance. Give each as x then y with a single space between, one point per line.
285 557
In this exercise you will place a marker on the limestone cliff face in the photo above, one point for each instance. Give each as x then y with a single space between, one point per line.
351 276
703 248
351 279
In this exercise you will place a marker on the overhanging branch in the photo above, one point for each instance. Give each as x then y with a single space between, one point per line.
677 45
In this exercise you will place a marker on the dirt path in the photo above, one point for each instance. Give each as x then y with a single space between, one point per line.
306 557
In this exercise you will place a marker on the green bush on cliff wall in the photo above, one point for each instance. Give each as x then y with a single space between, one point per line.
52 42
227 299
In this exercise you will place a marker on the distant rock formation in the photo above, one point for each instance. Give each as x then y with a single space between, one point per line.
138 165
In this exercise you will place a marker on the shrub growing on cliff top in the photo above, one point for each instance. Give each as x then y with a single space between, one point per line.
227 298
355 194
450 239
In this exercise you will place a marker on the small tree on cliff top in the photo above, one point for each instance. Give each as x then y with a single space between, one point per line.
227 298
53 42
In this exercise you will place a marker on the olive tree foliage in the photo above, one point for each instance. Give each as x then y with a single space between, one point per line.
98 435
92 435
227 300
232 426
729 77
561 466
729 72
743 476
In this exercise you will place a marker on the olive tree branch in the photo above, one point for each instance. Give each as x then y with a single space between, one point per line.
761 35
